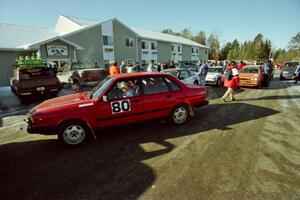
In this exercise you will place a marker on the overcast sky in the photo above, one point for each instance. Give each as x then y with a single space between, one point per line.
277 20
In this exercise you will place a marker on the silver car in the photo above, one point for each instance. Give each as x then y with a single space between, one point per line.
288 70
215 76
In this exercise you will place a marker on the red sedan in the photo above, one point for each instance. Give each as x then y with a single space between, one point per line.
119 99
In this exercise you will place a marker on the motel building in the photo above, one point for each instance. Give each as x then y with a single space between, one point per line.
74 39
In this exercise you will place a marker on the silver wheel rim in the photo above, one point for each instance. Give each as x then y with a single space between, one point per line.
74 134
180 115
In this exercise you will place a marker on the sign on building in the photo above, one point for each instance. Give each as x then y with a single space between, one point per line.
57 50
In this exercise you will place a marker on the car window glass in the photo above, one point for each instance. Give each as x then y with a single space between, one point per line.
183 74
154 85
172 85
124 89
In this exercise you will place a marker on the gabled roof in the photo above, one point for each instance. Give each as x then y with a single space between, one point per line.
81 22
16 36
147 34
143 33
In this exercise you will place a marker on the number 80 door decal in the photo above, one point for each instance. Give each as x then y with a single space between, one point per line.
120 106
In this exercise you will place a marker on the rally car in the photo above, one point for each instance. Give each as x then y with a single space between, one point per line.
119 99
215 76
184 75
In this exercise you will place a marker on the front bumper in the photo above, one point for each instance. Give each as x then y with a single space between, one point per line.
44 130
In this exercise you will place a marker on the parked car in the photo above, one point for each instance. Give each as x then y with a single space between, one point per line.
215 76
251 75
81 75
191 65
184 75
288 70
34 80
119 99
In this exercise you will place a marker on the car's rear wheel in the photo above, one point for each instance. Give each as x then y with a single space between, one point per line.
73 133
179 115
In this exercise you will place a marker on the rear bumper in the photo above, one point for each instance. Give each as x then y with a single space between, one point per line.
32 91
200 104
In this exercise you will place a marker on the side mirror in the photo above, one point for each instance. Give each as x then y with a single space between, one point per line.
104 98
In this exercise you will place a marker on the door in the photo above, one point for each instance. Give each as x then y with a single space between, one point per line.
124 104
159 98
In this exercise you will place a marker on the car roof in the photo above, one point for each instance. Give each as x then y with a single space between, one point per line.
174 69
138 75
215 67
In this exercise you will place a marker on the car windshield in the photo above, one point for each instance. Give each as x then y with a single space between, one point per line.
78 66
98 90
290 65
249 70
216 70
172 73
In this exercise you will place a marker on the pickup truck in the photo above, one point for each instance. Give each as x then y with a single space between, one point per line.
81 75
34 80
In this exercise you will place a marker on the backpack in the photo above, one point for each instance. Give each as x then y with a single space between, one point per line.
228 74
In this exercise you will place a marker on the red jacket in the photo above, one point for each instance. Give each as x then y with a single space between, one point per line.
240 66
234 82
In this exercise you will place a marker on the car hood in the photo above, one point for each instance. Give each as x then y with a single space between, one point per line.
65 102
213 74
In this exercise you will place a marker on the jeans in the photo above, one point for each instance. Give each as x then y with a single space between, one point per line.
202 80
228 92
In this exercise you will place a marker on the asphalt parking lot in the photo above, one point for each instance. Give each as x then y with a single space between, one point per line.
247 149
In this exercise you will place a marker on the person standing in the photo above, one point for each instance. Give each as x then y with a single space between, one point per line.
297 74
123 67
241 65
203 73
114 69
231 82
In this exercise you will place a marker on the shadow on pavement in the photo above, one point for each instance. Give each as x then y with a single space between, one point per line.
111 167
271 98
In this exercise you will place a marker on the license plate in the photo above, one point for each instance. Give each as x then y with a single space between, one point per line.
40 88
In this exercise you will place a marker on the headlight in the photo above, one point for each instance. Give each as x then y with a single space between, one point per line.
253 79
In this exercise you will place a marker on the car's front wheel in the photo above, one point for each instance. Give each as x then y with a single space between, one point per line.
218 82
179 115
73 133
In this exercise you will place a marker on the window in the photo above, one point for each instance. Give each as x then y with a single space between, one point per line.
192 50
154 85
124 89
173 48
108 40
205 52
130 62
197 50
178 49
183 75
153 45
129 42
144 45
172 85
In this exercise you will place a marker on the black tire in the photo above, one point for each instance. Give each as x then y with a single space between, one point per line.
179 115
196 82
73 133
218 82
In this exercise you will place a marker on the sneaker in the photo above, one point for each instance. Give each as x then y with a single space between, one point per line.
223 100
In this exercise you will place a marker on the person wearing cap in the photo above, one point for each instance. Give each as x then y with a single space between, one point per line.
231 84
